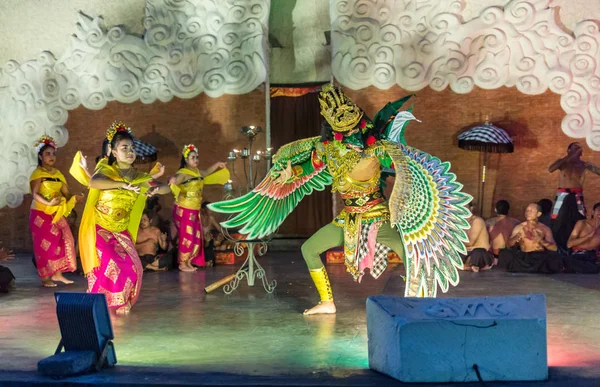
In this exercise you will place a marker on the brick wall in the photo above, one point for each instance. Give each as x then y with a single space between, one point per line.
213 125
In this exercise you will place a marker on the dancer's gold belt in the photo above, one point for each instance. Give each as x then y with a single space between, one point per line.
361 204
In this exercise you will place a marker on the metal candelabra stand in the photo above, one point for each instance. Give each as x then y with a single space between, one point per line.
250 269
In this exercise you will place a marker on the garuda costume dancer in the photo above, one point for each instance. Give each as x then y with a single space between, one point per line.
110 221
187 186
426 206
53 243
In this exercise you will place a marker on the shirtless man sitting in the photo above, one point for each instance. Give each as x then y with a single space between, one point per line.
478 257
585 244
586 234
148 240
537 252
500 227
572 176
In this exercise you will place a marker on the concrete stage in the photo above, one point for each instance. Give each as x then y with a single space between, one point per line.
178 335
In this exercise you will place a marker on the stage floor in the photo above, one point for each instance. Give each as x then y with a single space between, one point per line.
178 335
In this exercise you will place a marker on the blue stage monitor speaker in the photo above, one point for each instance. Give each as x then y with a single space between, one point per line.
86 336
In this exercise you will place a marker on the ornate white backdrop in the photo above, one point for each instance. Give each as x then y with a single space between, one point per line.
189 47
416 44
218 46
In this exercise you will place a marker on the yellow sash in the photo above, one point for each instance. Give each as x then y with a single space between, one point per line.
64 208
221 177
87 228
79 173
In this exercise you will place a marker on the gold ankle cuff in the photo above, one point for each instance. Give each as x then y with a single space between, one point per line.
321 280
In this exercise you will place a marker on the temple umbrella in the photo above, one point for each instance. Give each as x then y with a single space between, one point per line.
145 153
485 138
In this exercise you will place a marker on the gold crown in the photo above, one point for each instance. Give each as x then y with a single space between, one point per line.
187 149
116 126
339 111
43 141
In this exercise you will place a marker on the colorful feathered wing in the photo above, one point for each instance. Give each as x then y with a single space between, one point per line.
261 211
429 209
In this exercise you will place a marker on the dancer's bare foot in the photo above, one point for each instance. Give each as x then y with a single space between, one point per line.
60 277
47 282
190 266
475 269
495 262
125 309
325 307
486 267
186 268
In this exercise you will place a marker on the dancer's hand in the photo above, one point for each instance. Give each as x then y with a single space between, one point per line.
163 237
161 171
129 187
220 165
151 191
79 198
83 162
54 202
172 180
285 174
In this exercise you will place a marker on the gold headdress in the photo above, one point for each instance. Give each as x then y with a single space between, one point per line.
187 149
42 142
339 111
116 126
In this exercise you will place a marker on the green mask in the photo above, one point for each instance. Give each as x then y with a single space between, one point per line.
355 139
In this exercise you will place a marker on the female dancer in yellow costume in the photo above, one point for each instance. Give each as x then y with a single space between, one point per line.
187 186
53 244
110 221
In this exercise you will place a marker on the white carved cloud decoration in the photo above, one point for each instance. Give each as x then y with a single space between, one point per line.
190 47
420 43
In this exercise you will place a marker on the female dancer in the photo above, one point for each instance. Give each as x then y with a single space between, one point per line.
187 186
53 243
110 221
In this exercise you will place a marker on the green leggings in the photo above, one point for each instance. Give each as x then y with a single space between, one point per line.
330 236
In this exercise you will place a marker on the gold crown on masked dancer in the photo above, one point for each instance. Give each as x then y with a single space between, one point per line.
187 149
43 141
339 111
116 126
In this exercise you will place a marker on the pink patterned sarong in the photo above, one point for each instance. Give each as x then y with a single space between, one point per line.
119 276
53 244
191 238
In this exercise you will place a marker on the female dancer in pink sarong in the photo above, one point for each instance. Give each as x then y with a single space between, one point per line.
187 186
53 243
110 222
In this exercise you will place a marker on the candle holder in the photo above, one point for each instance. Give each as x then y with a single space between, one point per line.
250 269
250 161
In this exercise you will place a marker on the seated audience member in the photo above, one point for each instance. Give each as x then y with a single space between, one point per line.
546 218
164 225
537 250
149 239
478 256
7 279
585 244
500 227
213 235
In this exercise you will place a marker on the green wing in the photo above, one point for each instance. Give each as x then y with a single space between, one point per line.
261 211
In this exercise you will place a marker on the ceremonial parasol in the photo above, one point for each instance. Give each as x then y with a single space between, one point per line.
145 153
485 138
